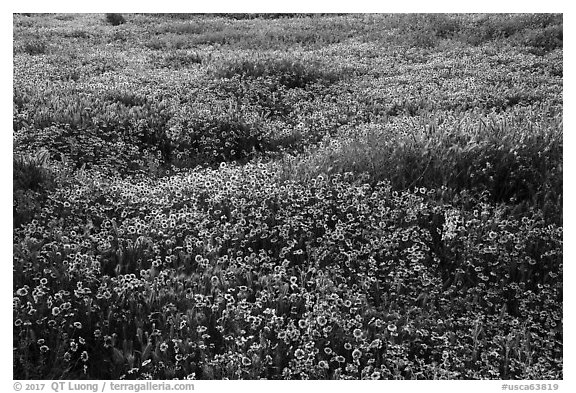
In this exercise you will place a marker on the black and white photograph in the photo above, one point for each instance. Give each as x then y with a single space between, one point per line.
287 196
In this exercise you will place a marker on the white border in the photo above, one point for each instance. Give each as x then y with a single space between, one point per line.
294 6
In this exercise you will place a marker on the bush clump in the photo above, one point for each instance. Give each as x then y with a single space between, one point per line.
543 40
31 180
34 47
115 19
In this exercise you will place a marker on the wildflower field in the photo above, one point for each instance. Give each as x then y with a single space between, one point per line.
287 196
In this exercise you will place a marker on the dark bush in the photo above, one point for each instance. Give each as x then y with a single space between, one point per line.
30 182
28 173
543 40
34 47
444 26
115 19
543 32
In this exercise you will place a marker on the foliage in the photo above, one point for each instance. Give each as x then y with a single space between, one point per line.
33 47
504 155
31 181
288 197
115 19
